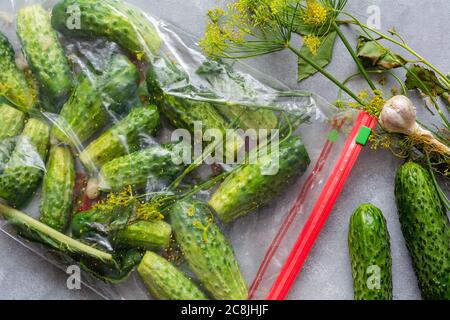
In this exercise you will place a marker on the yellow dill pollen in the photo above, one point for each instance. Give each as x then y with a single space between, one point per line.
277 6
214 43
197 224
363 94
315 14
191 212
375 106
139 55
312 42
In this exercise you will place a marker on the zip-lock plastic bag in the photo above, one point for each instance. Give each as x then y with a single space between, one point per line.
96 143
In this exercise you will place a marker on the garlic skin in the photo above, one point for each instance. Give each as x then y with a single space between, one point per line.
399 116
93 189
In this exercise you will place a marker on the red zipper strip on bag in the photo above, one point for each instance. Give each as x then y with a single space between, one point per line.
321 210
293 212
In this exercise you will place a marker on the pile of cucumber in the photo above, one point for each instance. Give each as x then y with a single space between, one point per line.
53 121
426 229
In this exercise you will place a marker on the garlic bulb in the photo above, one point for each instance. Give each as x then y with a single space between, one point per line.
399 116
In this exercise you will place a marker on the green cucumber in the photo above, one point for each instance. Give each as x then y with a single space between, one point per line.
247 188
45 55
207 251
426 228
113 19
165 282
25 168
370 252
13 83
11 125
154 164
122 138
183 112
58 188
248 118
148 235
225 80
86 110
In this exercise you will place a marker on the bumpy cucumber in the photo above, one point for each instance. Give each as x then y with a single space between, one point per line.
112 19
149 235
248 188
165 282
45 55
58 187
86 111
426 229
121 138
248 118
368 241
183 112
26 166
207 251
11 125
13 84
229 83
154 164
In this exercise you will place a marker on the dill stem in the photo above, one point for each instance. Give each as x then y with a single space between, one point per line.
400 44
327 75
361 68
64 243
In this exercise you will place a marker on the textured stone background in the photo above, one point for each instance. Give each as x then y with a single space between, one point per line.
327 272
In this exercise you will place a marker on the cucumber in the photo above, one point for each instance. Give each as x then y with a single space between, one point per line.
13 83
370 252
58 188
248 118
247 188
121 138
26 166
229 83
148 235
183 112
86 110
11 125
45 55
113 19
207 251
165 282
153 165
426 228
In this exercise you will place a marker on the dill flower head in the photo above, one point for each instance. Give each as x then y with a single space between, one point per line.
314 14
214 42
124 198
149 211
312 42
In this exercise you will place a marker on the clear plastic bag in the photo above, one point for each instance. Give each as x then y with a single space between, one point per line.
261 240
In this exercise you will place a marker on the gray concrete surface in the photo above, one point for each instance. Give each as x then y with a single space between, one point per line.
327 272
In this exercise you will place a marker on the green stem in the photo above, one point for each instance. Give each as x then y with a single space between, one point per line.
327 75
354 56
64 242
